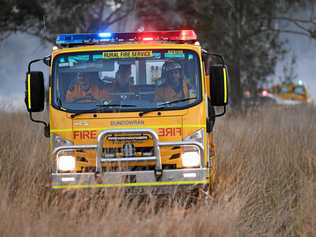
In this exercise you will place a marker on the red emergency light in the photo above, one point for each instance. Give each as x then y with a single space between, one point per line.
187 35
265 93
148 39
175 35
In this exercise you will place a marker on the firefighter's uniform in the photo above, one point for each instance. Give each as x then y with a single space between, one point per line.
94 92
167 93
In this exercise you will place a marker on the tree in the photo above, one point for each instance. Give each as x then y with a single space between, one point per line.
238 29
298 17
16 15
50 18
158 15
289 74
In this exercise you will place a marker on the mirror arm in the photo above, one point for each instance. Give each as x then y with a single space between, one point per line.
221 114
46 126
215 55
31 62
210 122
46 59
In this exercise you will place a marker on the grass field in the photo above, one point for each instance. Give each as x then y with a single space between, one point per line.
266 185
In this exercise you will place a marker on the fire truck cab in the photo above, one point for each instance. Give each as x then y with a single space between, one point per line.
291 93
130 110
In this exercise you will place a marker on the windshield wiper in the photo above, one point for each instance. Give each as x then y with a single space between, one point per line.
161 106
177 101
101 108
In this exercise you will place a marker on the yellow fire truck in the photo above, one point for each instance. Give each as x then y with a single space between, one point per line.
290 93
149 131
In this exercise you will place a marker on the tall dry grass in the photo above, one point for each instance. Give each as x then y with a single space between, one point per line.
266 185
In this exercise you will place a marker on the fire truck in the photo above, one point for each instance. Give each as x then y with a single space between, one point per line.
290 93
129 138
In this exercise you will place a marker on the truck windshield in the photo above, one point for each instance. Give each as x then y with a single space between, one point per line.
299 90
129 80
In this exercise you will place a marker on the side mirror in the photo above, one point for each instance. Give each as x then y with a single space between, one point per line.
218 85
34 92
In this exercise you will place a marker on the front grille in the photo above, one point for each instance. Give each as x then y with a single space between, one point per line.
118 152
120 145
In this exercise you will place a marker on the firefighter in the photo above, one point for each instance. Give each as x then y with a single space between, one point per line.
174 86
123 80
86 89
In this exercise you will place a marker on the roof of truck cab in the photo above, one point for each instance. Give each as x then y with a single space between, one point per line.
126 46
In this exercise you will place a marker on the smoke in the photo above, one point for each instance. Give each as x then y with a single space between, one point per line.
304 49
16 51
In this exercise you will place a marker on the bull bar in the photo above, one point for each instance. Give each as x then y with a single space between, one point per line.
151 179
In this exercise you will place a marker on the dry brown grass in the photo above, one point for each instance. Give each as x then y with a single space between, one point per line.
266 185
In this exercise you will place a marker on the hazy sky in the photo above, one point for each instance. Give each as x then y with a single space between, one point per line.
16 52
19 49
305 50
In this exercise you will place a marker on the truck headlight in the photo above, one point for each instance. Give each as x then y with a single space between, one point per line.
191 156
191 159
60 141
66 163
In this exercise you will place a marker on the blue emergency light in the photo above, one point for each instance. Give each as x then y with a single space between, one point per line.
107 37
65 39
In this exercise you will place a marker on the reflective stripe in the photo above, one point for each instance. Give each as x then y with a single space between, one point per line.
124 127
225 85
50 96
145 184
29 90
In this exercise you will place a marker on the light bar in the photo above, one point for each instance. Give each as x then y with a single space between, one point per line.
104 37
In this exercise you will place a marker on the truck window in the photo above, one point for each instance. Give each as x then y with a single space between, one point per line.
284 89
135 79
299 90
